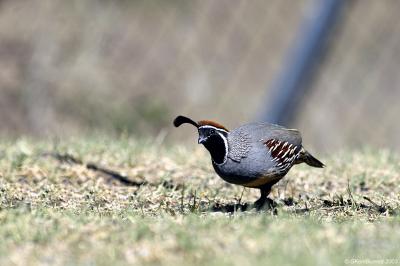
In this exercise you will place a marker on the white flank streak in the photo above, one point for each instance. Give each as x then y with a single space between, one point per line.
285 153
273 148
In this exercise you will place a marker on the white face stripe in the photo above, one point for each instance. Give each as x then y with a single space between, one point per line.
226 147
216 128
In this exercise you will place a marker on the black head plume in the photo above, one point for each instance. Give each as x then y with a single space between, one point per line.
179 120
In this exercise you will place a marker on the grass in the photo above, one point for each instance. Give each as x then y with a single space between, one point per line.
59 213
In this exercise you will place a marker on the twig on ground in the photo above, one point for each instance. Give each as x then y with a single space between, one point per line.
379 208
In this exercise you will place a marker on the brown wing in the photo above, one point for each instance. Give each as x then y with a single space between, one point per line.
282 153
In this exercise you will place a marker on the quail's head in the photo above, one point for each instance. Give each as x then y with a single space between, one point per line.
209 131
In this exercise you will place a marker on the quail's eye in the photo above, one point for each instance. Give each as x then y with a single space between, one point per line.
212 131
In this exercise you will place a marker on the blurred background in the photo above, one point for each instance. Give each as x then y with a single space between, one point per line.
77 67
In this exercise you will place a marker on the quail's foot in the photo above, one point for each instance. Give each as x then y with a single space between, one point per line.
264 204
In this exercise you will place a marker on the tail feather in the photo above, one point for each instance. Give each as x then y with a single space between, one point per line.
306 157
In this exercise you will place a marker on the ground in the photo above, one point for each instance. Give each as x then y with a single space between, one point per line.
59 212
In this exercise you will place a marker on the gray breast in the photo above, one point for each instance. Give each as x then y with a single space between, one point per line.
238 144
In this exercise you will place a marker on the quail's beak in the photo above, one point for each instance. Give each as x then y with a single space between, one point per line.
202 139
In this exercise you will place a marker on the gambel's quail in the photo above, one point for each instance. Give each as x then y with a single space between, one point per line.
255 155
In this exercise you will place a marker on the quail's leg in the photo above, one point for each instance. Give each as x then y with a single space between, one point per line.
263 198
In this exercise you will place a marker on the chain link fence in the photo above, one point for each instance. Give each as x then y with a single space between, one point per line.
68 67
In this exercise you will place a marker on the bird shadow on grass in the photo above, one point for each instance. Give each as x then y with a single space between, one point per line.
230 208
269 205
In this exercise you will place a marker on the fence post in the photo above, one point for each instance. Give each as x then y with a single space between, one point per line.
288 90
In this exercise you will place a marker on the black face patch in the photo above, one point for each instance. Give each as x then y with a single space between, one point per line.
215 141
206 132
216 146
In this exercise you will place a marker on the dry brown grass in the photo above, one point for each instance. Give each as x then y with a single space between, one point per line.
59 213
